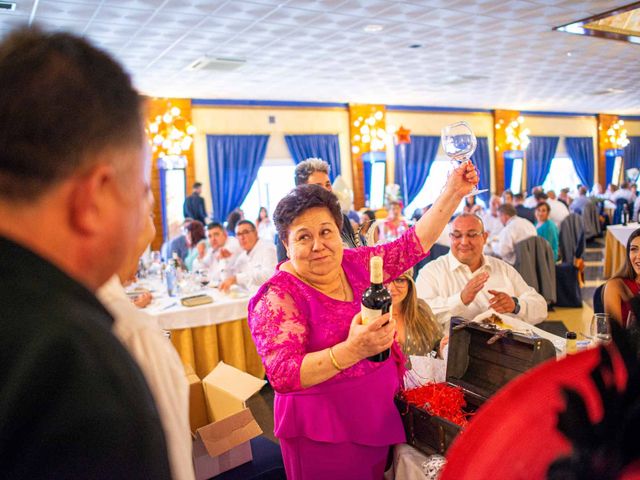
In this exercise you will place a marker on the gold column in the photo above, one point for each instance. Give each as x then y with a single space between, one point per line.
364 123
605 122
155 107
501 118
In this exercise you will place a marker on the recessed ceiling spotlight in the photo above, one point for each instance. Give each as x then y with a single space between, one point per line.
569 54
373 28
415 45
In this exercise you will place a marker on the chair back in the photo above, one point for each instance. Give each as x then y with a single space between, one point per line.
536 264
598 300
572 238
590 221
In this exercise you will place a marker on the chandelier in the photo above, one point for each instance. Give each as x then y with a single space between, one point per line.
618 135
171 134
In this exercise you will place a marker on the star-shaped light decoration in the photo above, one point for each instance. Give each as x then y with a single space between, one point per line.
403 135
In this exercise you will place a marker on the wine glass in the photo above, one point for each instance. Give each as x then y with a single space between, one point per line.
203 277
600 328
459 142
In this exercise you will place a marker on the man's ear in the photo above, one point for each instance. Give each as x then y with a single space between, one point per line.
91 199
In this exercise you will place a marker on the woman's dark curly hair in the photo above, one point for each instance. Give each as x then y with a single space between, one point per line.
298 201
196 229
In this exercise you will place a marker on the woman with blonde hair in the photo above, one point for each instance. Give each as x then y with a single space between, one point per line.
418 331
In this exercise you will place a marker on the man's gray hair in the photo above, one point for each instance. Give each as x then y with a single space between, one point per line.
307 167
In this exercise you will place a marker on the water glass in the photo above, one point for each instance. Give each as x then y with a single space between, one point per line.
601 328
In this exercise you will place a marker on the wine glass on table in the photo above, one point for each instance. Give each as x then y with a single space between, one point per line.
459 142
600 328
202 276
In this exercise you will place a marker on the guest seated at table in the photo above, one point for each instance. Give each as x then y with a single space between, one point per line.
466 283
558 210
418 331
491 219
224 253
394 225
546 228
625 284
369 228
580 201
256 263
515 230
471 206
334 410
202 261
177 242
265 226
507 196
531 201
195 233
565 198
624 192
156 356
521 210
232 220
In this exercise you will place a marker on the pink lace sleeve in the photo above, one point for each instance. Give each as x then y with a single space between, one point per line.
398 256
279 331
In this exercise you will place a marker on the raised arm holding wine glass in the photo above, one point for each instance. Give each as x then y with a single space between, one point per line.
333 408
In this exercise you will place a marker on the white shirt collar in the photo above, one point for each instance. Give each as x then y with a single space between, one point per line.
455 264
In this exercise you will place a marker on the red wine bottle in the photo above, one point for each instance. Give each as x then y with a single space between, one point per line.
376 301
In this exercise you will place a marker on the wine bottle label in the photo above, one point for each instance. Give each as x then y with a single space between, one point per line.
369 315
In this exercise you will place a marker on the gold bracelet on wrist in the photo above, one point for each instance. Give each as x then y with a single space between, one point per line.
334 361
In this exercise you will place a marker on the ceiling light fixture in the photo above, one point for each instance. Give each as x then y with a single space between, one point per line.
373 28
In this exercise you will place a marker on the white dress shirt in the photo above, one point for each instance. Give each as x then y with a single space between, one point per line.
530 202
492 224
223 268
625 193
516 230
257 266
558 212
440 282
162 369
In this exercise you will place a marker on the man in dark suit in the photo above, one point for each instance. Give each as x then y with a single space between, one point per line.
194 205
74 184
521 210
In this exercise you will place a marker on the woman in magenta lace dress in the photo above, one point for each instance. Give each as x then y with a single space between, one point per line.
333 408
625 284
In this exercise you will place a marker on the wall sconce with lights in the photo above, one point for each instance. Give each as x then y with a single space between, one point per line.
170 133
618 135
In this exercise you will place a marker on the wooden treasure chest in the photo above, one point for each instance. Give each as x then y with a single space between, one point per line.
482 359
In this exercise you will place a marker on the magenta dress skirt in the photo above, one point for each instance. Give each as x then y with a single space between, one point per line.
341 430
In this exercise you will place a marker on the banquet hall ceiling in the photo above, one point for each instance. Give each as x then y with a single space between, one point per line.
475 54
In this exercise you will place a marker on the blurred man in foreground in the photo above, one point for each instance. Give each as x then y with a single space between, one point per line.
73 184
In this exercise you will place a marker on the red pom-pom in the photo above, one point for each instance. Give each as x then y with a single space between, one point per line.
440 399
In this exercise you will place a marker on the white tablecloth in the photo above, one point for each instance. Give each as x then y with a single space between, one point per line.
622 233
172 315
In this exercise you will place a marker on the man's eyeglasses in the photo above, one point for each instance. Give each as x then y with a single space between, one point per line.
470 235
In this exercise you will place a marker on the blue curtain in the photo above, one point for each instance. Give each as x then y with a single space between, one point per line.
325 147
632 153
482 161
413 162
234 161
540 154
580 150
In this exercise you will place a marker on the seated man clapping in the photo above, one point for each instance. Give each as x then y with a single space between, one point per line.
466 283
